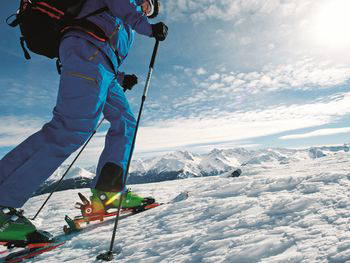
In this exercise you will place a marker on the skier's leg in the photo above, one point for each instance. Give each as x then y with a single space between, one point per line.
113 161
83 89
114 158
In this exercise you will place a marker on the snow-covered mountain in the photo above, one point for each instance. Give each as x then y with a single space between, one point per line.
76 178
277 212
184 164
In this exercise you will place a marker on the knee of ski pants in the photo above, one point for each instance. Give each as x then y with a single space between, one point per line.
124 126
66 136
118 112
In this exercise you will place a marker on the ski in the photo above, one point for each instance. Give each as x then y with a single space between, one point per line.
75 225
29 251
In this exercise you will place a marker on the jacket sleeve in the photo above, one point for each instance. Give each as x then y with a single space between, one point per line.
120 77
127 11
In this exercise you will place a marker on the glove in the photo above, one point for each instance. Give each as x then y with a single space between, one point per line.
159 31
129 81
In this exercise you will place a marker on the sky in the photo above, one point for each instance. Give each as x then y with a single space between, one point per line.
232 73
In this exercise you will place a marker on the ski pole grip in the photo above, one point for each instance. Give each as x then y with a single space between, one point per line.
154 54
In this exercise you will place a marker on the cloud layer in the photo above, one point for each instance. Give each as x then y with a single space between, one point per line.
316 133
201 93
242 125
14 129
216 129
227 10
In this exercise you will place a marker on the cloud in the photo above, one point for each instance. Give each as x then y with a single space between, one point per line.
201 71
214 127
210 128
303 75
316 133
221 129
202 87
308 74
227 10
14 129
27 92
237 89
214 77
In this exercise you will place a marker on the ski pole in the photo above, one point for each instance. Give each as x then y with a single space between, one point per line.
65 173
108 256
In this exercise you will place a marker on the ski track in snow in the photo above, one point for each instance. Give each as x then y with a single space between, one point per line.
297 212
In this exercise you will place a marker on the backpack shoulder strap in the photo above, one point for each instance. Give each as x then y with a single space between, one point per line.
16 21
98 11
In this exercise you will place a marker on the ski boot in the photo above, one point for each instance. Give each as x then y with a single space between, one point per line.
17 231
96 209
101 201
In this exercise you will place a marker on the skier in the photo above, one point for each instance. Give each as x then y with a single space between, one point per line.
90 85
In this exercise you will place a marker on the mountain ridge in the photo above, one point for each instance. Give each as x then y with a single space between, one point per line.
185 164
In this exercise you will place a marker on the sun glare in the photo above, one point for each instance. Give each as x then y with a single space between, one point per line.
330 25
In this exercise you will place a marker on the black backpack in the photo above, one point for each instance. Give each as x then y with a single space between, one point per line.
43 22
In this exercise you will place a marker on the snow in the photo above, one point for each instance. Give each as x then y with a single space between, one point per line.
74 172
274 212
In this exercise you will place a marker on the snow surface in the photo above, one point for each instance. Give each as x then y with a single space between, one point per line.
293 212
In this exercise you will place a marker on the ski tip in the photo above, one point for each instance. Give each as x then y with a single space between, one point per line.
72 226
83 199
31 251
180 197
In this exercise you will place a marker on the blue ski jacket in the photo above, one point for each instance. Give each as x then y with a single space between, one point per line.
118 23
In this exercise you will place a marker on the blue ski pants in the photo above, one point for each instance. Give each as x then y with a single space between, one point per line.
88 88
